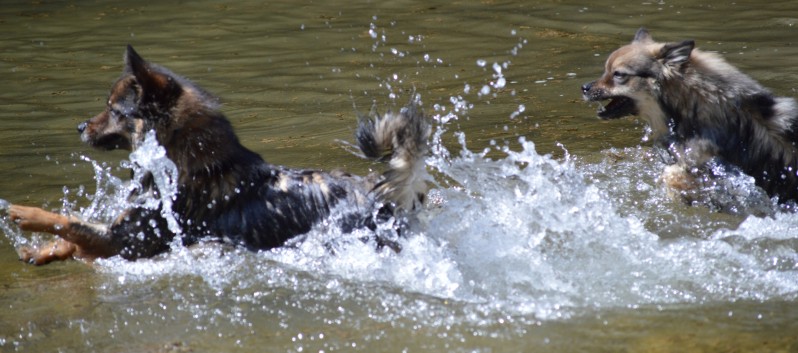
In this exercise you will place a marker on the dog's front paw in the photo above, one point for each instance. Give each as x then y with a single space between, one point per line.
680 184
28 254
56 250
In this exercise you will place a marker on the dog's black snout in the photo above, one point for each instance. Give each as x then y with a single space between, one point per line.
586 87
82 127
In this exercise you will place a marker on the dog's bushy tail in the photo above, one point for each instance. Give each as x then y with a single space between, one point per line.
400 139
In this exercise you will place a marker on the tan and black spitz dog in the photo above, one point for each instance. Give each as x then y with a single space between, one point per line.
709 116
225 191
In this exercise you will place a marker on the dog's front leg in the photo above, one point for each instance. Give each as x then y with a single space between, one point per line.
78 238
35 219
38 220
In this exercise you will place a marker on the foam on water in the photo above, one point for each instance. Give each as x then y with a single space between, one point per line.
532 234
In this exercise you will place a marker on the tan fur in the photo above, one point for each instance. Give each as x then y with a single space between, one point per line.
35 219
702 110
402 139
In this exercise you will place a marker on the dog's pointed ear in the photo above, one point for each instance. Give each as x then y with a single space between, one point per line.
151 80
642 36
134 63
157 89
676 54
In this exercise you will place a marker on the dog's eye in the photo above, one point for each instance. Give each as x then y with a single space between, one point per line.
116 113
620 77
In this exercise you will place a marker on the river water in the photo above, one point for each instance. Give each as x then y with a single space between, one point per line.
546 229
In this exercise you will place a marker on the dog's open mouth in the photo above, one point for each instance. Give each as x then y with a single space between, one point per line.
618 107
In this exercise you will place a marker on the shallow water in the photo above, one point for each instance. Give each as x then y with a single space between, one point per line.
559 241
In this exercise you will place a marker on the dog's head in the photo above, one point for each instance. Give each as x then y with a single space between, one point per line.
146 97
633 75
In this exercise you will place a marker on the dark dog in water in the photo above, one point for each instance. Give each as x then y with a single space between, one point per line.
711 118
225 191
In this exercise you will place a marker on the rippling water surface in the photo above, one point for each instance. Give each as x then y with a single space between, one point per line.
546 229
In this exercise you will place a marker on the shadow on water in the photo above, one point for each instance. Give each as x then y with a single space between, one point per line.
558 241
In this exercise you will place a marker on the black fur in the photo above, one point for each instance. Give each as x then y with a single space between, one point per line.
226 192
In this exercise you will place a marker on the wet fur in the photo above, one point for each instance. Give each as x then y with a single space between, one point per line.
704 112
225 191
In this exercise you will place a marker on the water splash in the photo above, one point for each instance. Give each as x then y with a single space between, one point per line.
104 204
11 231
112 195
150 159
524 234
521 235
